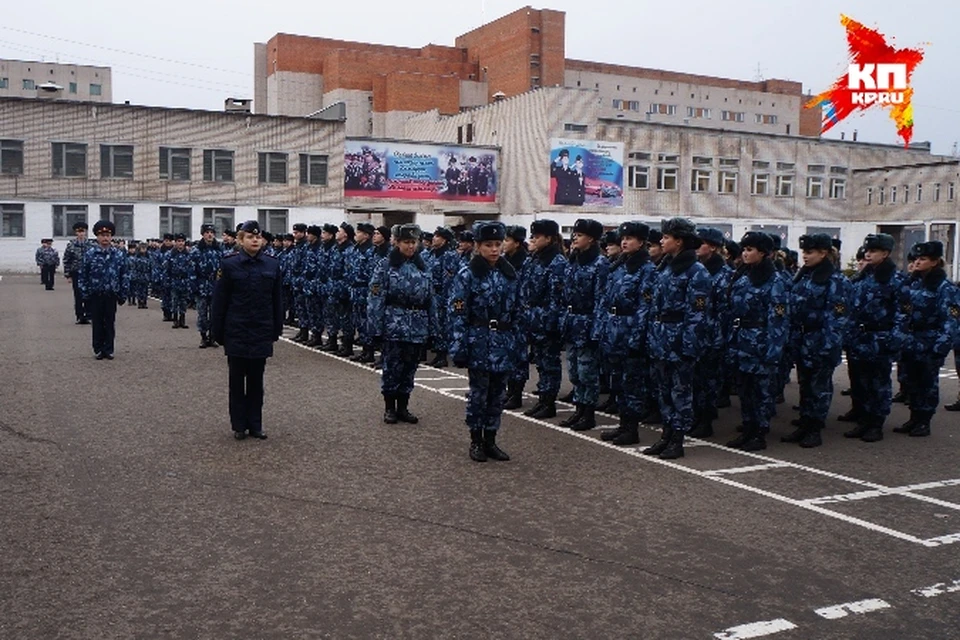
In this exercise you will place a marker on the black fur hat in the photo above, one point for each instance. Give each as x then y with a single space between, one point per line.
758 240
932 249
678 228
517 232
816 241
547 228
588 227
408 232
634 229
485 231
879 242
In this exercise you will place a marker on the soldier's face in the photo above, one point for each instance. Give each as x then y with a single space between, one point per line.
670 244
813 257
378 238
341 235
875 256
250 243
613 250
104 238
208 236
751 255
490 250
362 236
924 264
510 246
438 241
287 243
407 247
298 236
326 236
655 250
539 241
180 244
581 241
629 244
466 247
705 250
81 234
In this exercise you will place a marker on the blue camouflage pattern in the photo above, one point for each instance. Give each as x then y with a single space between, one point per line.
180 279
543 304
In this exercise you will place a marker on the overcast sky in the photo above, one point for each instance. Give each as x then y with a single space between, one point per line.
194 54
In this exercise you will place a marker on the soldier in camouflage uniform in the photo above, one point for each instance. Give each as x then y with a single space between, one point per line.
310 283
381 242
361 269
486 328
180 280
48 259
297 265
678 334
515 251
585 281
140 266
341 263
402 316
328 318
819 303
284 259
104 282
444 263
228 241
72 264
610 376
466 243
206 258
758 319
543 302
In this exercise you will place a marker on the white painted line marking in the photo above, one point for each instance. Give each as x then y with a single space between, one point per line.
906 491
942 540
938 589
843 610
437 379
755 629
747 469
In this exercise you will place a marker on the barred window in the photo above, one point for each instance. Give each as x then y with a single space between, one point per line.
220 217
272 168
176 220
174 163
12 215
273 220
121 215
69 160
11 157
313 169
116 161
65 216
217 165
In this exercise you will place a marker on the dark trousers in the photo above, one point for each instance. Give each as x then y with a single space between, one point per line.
485 399
79 306
816 391
924 388
102 308
47 273
246 393
400 361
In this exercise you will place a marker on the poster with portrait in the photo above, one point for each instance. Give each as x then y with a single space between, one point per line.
586 173
414 171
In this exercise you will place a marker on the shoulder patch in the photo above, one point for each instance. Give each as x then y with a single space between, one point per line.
780 310
954 311
219 273
700 303
375 288
459 305
840 308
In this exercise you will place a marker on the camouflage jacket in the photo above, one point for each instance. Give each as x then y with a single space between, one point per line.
681 308
759 318
819 311
73 256
930 312
584 284
624 315
875 313
47 257
400 305
104 271
541 293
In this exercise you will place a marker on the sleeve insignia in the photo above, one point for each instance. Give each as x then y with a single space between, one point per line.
459 305
700 303
780 310
840 308
375 288
954 311
647 296
906 307
219 273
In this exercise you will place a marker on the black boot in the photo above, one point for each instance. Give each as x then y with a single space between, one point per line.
803 425
390 409
955 406
183 321
569 422
847 392
658 447
331 346
548 408
630 434
167 316
674 448
812 438
604 385
315 339
403 412
346 349
587 421
850 416
302 335
899 398
702 429
514 398
908 426
204 340
440 361
366 356
535 408
567 398
872 429
477 453
608 435
922 428
611 406
176 322
750 439
652 416
490 447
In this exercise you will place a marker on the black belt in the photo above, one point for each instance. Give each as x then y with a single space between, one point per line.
671 316
810 328
923 327
409 306
493 325
621 311
579 312
745 323
875 326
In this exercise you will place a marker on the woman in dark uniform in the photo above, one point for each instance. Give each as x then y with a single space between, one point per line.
247 320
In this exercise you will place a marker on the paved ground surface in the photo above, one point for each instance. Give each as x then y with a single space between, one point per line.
129 511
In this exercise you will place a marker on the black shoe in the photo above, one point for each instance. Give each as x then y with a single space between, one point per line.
872 434
569 422
167 317
674 448
315 340
490 448
906 427
846 392
301 336
567 398
547 410
403 414
477 453
390 409
812 438
608 435
259 435
366 356
850 416
514 399
587 421
899 398
239 435
953 407
331 346
629 433
204 341
657 448
604 407
798 434
534 409
84 321
440 361
757 443
703 429
856 432
183 322
922 430
108 356
99 356
748 439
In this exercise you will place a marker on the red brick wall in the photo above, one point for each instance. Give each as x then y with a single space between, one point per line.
419 92
810 120
357 69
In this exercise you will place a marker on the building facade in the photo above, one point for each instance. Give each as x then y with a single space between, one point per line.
155 170
75 82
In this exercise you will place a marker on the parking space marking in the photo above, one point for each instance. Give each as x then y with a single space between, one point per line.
837 611
892 491
755 629
938 589
747 469
436 379
942 540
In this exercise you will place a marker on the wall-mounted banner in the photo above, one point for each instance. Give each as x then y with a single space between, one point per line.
413 171
586 172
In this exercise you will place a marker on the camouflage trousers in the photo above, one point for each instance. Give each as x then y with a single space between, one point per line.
870 387
166 299
583 365
758 398
816 391
313 313
440 342
400 361
545 356
521 373
204 308
359 320
485 399
924 387
287 300
675 382
139 291
707 382
339 319
179 299
903 380
300 309
632 385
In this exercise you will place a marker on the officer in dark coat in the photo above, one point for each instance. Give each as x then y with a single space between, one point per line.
247 320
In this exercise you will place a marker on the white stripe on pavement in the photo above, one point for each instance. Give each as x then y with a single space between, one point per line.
843 610
755 629
937 589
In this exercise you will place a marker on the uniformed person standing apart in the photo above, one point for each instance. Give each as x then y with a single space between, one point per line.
401 316
585 281
759 318
930 313
247 320
72 264
678 334
872 343
542 297
486 325
819 300
104 283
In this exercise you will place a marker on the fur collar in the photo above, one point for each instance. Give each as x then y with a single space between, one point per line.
442 249
683 261
819 274
328 244
363 246
586 257
547 254
213 246
481 267
714 263
632 261
516 260
761 273
343 246
397 259
932 279
882 273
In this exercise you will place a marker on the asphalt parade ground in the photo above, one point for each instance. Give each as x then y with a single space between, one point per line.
129 511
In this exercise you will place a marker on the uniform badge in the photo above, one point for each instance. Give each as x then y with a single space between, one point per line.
375 288
700 303
906 307
647 296
780 310
219 273
954 311
458 305
839 308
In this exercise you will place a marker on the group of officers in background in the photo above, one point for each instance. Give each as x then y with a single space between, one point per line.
668 322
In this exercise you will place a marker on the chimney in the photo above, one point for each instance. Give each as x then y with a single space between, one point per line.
499 96
237 105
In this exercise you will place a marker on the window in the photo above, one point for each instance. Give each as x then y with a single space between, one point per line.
670 158
906 193
217 165
663 109
95 89
176 220
786 166
816 168
273 220
765 119
732 116
73 87
666 179
12 215
618 104
639 155
838 171
11 157
698 112
702 161
814 187
469 132
65 216
4 83
638 177
29 85
700 180
220 217
729 162
634 105
121 215
313 169
460 134
893 195
919 192
838 188
880 195
576 128
69 160
785 186
761 164
761 184
950 191
936 192
272 168
116 161
174 163
728 182
869 195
